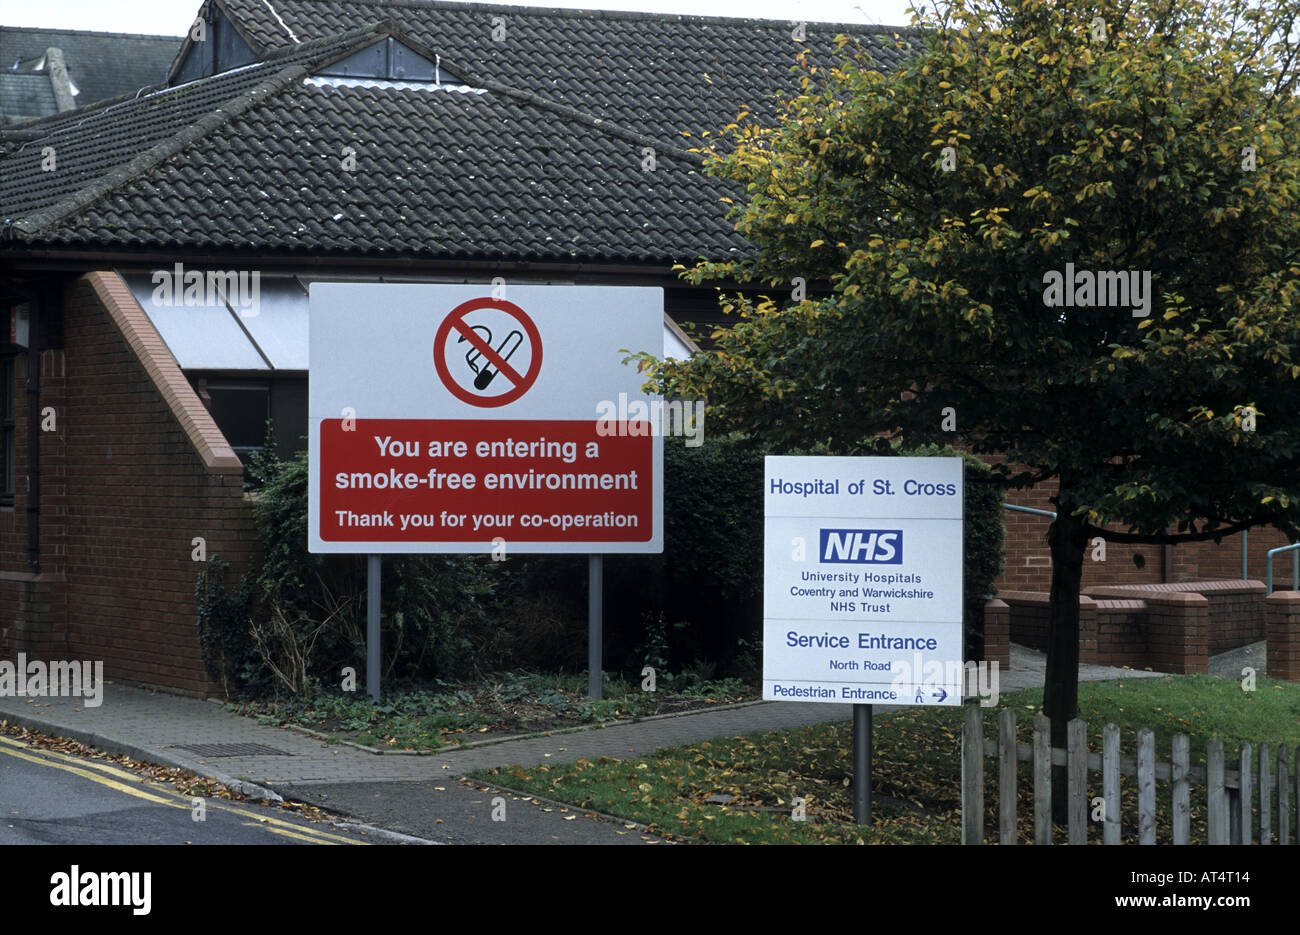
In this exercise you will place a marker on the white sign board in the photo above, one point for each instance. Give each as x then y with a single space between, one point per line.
446 419
862 580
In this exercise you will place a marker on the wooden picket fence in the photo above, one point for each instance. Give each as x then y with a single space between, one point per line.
1234 796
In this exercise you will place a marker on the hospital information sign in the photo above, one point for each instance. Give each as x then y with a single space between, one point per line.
862 580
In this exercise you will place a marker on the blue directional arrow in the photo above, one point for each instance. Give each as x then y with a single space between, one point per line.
943 693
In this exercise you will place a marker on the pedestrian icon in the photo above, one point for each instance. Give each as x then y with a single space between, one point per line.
487 352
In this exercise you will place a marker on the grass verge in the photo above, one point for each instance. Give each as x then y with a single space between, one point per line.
742 790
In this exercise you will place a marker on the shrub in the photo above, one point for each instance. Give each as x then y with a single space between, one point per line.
229 652
695 603
300 617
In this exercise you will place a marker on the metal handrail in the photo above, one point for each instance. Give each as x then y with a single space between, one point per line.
1029 509
1295 567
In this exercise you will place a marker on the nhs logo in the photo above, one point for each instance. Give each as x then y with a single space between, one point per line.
862 546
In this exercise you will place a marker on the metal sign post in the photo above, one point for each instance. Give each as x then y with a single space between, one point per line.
862 764
595 611
373 570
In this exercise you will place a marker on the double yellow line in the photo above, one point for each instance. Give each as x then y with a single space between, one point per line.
122 780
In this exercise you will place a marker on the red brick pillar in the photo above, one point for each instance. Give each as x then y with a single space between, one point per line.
1282 630
1178 629
997 633
1087 630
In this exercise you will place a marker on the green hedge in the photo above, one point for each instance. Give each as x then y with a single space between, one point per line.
703 596
688 609
697 608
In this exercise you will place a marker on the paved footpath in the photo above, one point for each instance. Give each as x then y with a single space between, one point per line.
178 731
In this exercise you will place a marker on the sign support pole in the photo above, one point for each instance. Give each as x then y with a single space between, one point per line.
372 625
862 764
595 612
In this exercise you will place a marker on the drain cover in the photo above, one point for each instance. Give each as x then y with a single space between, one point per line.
231 749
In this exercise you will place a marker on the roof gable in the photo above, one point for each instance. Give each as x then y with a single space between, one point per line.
213 44
388 58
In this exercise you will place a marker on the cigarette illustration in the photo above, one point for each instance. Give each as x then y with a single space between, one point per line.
506 350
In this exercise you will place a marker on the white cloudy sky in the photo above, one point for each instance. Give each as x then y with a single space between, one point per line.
172 17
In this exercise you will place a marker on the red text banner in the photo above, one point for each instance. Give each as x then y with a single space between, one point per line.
450 480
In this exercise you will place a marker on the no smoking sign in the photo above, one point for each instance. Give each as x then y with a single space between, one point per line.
487 352
483 444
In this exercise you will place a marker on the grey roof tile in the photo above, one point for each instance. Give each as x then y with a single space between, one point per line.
102 65
661 74
26 94
544 166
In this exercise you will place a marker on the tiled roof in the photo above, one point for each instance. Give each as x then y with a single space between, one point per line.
104 148
252 159
660 74
26 95
100 64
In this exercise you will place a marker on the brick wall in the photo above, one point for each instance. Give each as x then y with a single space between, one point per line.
147 472
136 470
1028 564
1166 627
1028 612
35 617
1236 608
1121 633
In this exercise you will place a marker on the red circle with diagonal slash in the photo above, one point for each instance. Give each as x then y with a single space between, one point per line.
456 320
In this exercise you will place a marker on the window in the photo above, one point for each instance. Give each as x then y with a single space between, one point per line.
240 411
7 430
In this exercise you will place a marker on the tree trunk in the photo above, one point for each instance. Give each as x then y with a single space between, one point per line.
1061 691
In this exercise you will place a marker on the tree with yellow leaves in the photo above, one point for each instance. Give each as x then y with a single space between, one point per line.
1063 231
